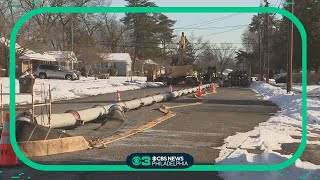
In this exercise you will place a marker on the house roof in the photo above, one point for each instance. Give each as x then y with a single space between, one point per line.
37 57
116 57
63 56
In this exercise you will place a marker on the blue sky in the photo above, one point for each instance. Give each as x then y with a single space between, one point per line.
209 25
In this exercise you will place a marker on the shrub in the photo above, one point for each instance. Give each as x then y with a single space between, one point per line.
113 72
83 71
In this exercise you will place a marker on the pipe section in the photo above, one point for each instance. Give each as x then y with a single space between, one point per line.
74 118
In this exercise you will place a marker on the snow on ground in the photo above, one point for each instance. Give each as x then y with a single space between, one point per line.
311 89
269 136
64 89
299 170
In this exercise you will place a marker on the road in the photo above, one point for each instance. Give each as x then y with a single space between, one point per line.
199 127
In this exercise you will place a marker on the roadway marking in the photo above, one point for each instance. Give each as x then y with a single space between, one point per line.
102 143
184 105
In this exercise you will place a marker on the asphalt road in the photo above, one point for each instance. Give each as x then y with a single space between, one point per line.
197 130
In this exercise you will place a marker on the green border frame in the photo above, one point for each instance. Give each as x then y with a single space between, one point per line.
37 11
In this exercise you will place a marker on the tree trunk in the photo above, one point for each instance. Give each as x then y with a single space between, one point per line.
134 61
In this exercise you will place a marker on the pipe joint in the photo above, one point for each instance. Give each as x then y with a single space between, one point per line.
98 105
76 116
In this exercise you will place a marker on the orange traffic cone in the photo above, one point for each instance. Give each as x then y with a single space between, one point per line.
213 89
199 94
7 155
118 98
170 88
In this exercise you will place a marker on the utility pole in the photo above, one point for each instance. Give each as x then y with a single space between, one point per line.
289 71
260 56
72 33
72 39
267 42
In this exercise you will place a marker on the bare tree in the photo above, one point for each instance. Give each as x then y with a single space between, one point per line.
9 14
225 54
112 33
206 58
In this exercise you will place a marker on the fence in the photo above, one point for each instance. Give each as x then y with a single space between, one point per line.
41 97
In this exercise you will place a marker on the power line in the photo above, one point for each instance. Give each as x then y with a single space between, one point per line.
208 28
166 47
224 31
222 19
132 46
197 24
210 21
220 43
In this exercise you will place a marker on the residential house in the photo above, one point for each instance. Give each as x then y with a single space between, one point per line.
120 61
31 60
64 58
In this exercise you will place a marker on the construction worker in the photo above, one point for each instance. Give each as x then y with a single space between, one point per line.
200 77
195 74
213 75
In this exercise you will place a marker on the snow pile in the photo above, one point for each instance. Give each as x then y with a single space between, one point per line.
299 170
311 89
63 89
272 81
270 135
290 104
315 91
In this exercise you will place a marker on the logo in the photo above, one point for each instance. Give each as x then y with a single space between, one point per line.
144 161
160 160
136 161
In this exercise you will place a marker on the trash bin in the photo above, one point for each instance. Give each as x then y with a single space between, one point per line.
26 84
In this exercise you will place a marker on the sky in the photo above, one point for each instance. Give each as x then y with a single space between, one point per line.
215 27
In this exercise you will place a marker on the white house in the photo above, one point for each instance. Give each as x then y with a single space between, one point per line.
32 60
64 58
121 61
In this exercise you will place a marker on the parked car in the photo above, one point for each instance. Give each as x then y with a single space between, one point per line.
280 78
45 71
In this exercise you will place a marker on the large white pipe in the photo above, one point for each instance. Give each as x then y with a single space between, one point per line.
133 104
158 98
148 101
57 120
91 114
74 118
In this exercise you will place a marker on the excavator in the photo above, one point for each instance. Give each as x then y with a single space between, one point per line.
179 70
